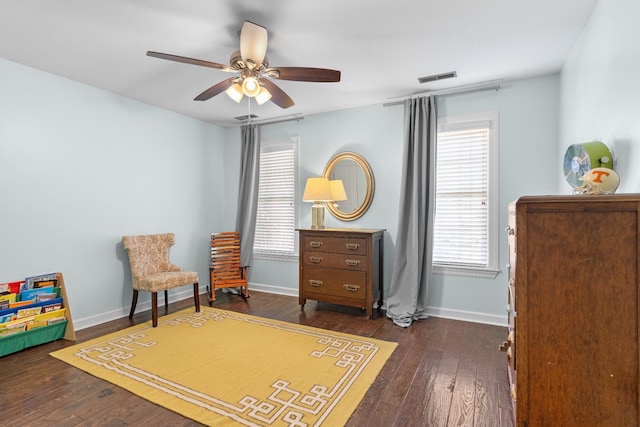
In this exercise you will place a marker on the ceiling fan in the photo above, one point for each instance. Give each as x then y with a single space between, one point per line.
252 71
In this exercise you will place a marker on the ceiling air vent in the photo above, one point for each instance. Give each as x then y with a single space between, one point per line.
436 77
246 117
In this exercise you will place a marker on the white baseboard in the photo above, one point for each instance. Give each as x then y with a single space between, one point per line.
278 290
466 316
86 322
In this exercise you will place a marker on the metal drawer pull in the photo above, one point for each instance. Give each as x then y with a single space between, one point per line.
315 244
315 283
352 262
315 259
352 246
350 287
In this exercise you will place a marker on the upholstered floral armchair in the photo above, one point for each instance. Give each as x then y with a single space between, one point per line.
152 271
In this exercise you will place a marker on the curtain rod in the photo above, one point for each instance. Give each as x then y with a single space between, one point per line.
270 122
445 92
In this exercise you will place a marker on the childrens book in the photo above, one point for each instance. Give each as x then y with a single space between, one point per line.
39 281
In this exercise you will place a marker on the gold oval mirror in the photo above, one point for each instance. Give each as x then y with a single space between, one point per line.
357 178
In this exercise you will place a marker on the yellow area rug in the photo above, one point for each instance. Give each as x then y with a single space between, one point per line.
224 368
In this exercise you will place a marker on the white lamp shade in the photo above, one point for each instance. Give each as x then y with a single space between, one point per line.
263 96
317 190
235 92
337 190
250 86
253 43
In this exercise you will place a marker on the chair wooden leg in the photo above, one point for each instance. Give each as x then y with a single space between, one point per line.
211 290
166 301
134 302
244 272
244 292
154 308
196 297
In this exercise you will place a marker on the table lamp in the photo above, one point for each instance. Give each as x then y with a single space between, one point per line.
317 190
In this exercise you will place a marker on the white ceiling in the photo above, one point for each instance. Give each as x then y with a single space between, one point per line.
381 47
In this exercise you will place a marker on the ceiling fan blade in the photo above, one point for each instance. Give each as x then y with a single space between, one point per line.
253 43
186 60
305 74
215 90
278 96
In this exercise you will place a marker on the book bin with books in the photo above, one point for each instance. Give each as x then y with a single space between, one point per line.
34 311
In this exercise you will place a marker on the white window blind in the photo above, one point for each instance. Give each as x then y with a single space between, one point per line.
464 217
275 224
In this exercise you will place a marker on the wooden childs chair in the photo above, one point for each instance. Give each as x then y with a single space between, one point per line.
225 270
152 271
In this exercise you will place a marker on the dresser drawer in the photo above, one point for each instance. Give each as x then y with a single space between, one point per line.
333 260
343 245
340 283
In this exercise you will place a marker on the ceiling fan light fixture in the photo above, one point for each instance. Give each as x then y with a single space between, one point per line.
250 86
263 96
235 92
252 75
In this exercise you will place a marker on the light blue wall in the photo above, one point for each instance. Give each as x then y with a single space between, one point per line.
80 167
528 138
375 132
528 111
600 90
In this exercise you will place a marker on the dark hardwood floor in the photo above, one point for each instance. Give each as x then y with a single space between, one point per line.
443 373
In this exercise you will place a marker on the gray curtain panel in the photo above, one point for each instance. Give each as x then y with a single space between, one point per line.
248 191
407 300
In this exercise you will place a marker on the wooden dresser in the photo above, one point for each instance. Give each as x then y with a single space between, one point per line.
573 350
341 266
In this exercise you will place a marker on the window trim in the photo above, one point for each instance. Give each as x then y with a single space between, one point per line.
492 268
294 142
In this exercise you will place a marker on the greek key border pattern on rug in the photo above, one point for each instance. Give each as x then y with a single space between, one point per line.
285 405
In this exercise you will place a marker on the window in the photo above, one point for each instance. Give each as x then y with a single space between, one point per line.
276 219
466 214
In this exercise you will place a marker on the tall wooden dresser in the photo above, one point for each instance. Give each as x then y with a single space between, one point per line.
573 310
341 266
